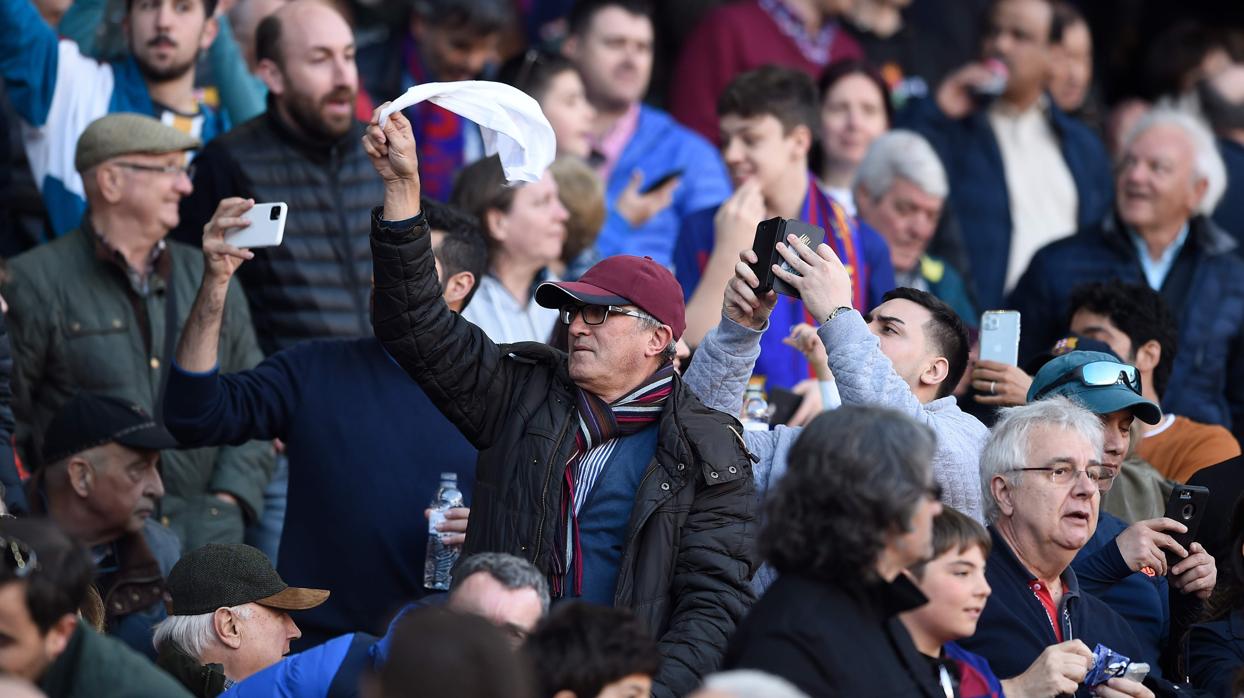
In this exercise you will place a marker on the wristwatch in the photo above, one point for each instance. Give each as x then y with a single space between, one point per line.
836 312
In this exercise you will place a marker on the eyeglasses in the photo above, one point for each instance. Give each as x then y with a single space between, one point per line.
174 170
597 314
1097 374
17 557
1099 475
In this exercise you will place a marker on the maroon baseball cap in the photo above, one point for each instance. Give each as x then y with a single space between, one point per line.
623 280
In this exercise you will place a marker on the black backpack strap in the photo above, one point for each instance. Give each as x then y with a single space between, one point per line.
346 681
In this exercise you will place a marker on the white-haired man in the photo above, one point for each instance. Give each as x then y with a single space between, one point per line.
229 619
900 189
1040 476
1170 177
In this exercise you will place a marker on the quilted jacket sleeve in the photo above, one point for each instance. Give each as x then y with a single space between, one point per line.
464 372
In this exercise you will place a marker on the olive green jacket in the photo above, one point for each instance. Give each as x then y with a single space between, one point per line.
78 325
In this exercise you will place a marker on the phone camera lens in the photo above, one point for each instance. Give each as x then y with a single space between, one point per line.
275 214
1188 512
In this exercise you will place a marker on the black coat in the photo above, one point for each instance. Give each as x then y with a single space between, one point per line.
688 552
316 284
14 496
831 640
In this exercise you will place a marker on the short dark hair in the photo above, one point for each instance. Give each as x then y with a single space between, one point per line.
510 571
209 7
583 11
268 39
1139 312
954 530
480 17
446 653
60 583
945 329
854 475
582 648
463 247
785 94
533 71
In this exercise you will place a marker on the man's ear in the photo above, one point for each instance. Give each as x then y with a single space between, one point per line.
936 371
660 339
801 138
59 635
271 74
225 623
457 287
1003 494
108 181
81 476
210 29
1148 355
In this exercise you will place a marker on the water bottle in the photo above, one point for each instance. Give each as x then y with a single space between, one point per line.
755 408
441 558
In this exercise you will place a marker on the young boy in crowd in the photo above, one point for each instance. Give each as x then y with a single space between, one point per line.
954 582
586 651
769 121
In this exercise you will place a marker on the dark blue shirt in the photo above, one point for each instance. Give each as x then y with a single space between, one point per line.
366 449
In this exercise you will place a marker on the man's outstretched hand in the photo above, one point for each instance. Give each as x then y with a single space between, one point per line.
391 148
222 259
821 279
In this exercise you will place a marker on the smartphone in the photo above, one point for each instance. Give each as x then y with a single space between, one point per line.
785 403
267 227
1187 506
1000 336
661 181
1136 671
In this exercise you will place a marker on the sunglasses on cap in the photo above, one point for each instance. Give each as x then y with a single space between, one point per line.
1097 374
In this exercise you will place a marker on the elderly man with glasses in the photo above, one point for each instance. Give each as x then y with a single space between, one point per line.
599 465
1042 476
1126 565
99 310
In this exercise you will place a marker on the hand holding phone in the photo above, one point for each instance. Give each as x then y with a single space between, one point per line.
1000 337
1187 506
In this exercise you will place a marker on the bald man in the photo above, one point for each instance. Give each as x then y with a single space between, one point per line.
306 151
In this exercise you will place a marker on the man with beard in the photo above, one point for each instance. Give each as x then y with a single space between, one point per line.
305 151
58 91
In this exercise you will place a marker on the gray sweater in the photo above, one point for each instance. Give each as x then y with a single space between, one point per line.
723 363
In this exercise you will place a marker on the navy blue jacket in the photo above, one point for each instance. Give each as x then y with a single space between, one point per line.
1207 382
1014 628
366 448
1216 654
978 194
1141 600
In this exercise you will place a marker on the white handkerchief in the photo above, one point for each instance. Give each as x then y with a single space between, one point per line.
510 122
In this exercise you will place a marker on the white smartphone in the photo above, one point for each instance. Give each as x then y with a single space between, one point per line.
1000 336
267 227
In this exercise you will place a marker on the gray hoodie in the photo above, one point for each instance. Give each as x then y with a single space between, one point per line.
723 363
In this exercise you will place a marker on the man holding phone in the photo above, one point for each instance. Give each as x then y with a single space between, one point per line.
1126 565
907 354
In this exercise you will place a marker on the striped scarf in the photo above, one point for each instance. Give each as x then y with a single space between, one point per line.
599 422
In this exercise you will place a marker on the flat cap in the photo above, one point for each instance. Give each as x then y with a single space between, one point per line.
125 134
221 575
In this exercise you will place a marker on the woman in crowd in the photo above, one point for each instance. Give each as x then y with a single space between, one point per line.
855 109
854 509
526 228
552 81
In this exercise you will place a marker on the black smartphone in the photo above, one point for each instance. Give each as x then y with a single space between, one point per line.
768 234
784 404
661 181
1187 506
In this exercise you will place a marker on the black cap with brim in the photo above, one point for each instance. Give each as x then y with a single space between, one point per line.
88 421
555 294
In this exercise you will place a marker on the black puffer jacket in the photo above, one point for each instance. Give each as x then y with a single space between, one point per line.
689 549
316 284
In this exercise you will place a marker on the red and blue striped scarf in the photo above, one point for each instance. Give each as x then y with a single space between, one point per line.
598 423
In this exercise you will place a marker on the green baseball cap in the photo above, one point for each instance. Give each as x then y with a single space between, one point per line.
1097 380
127 134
